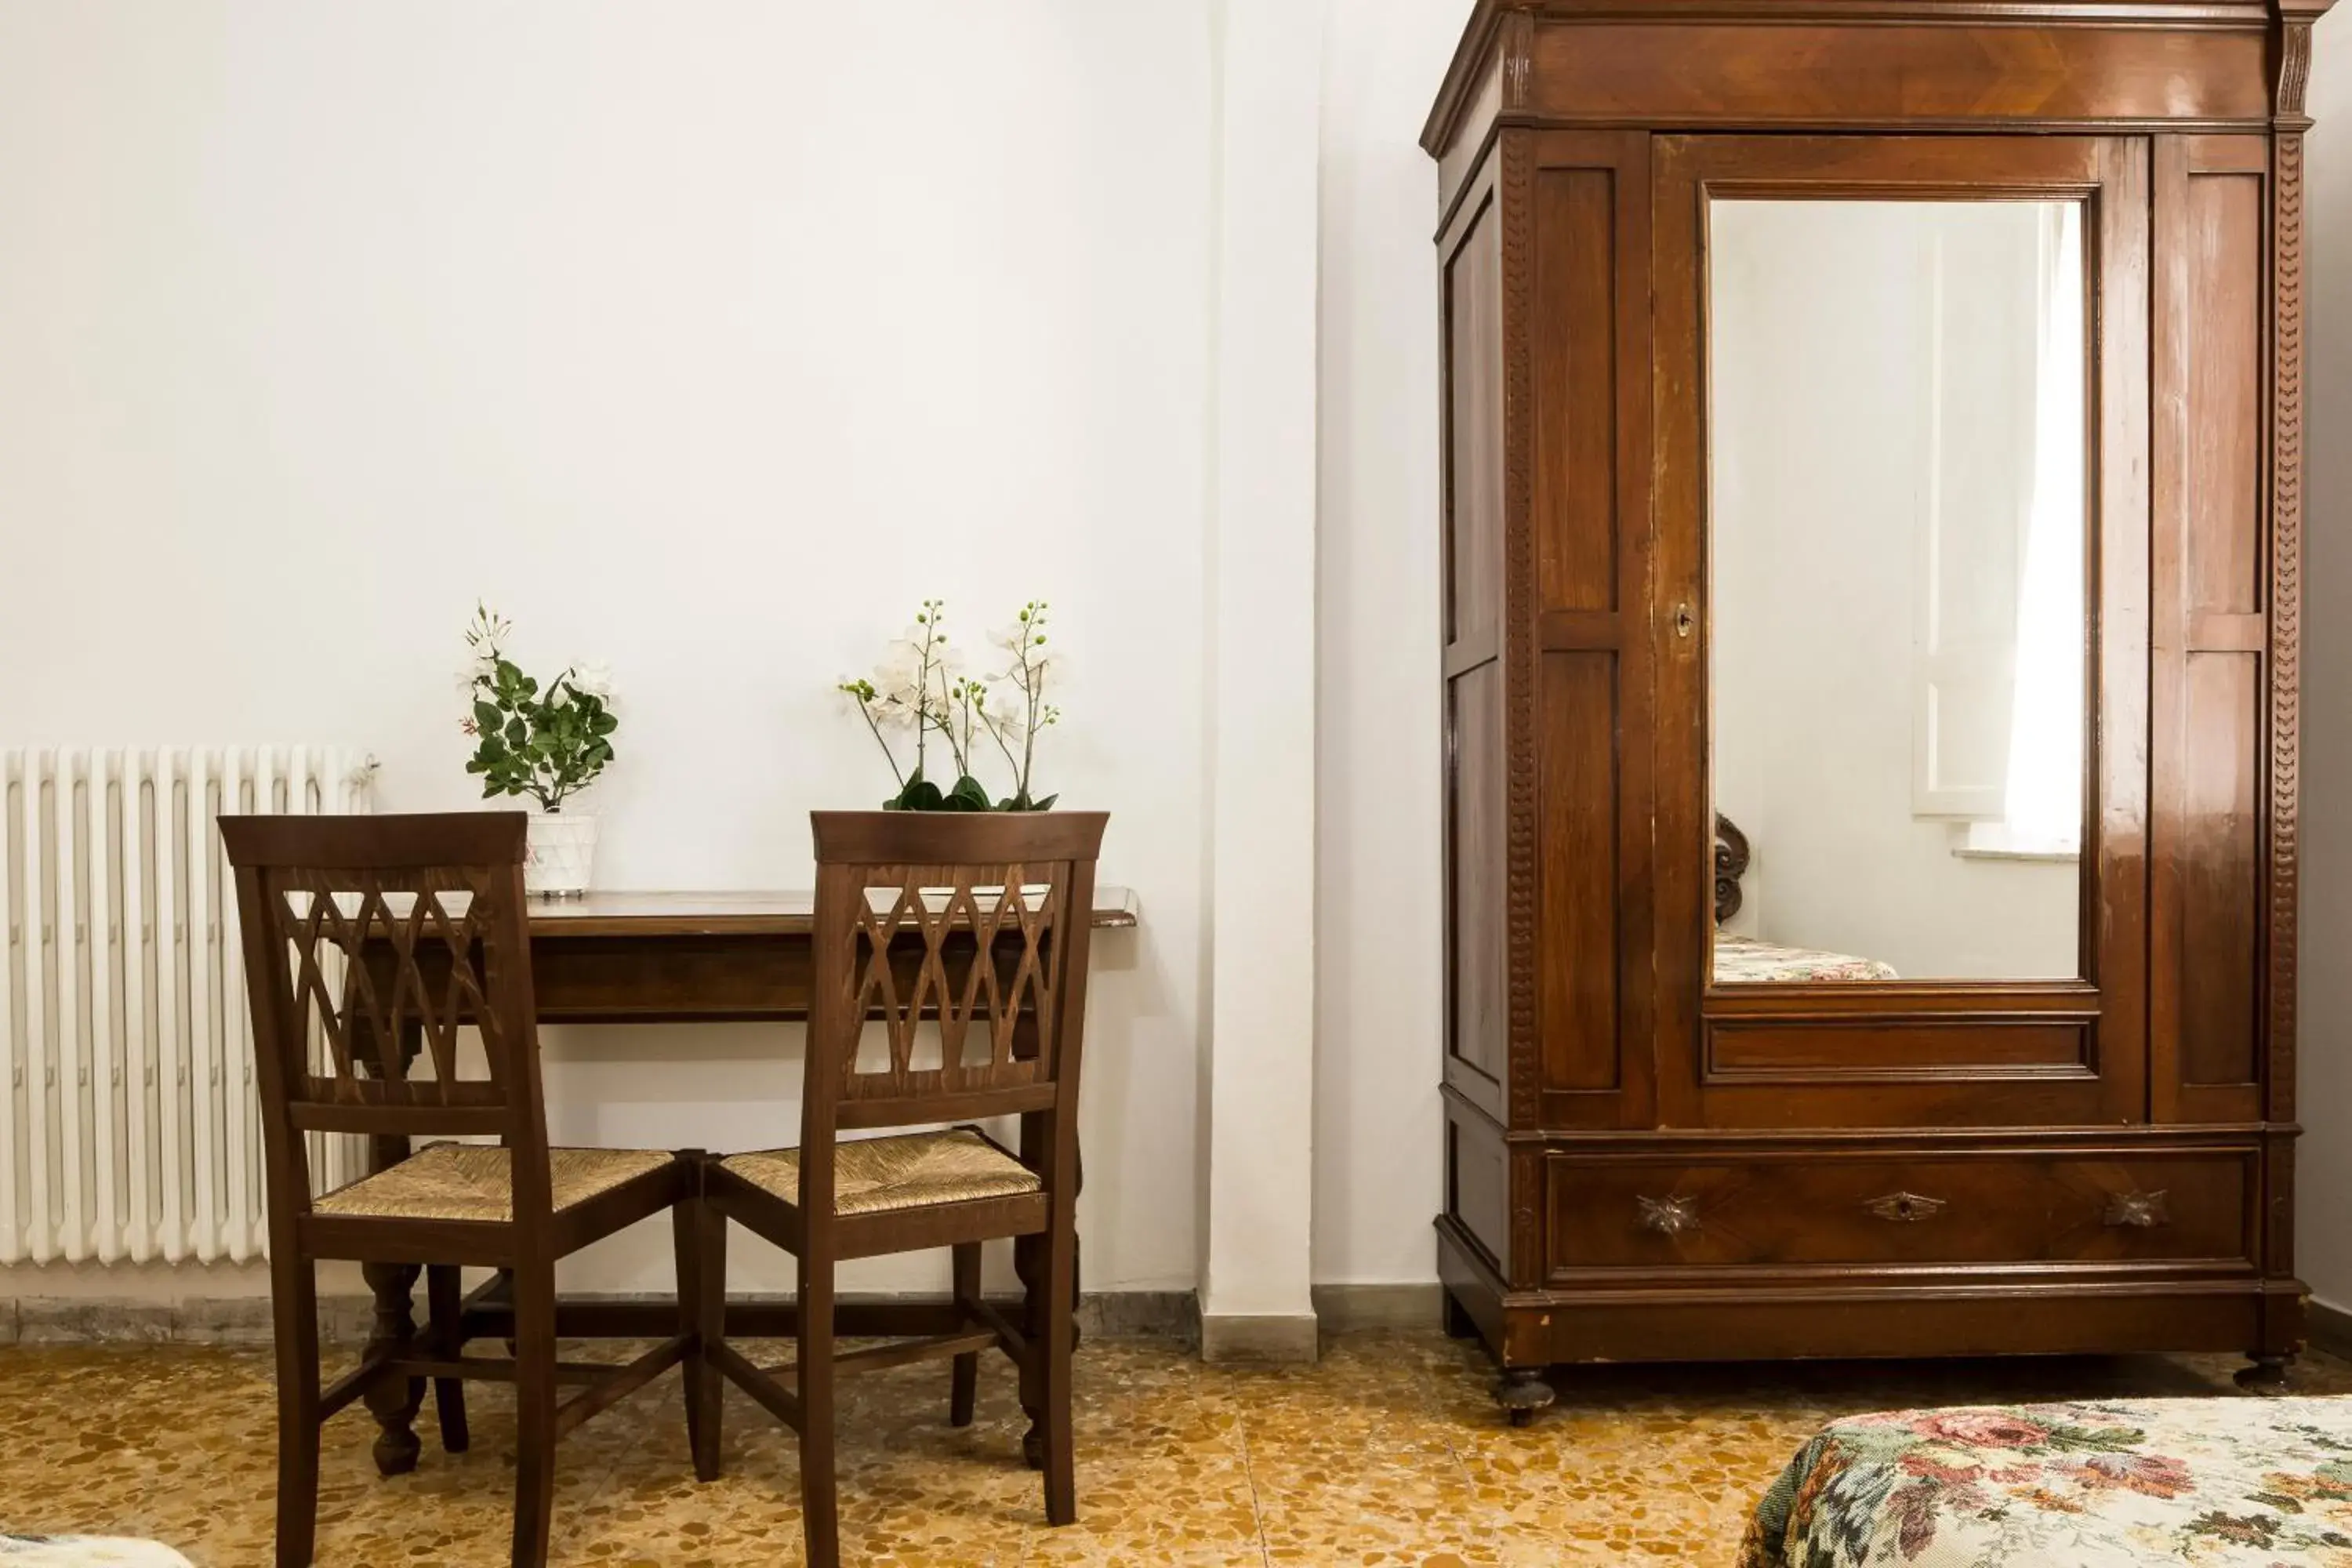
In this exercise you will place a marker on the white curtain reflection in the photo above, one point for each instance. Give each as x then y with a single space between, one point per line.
2043 808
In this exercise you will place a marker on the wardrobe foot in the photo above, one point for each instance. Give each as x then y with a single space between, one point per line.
2268 1373
1521 1393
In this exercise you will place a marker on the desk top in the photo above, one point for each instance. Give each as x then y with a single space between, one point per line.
793 913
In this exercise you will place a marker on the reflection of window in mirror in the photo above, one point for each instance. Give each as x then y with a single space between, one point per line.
1898 498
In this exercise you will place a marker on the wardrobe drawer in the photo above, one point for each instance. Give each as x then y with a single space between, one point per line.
1828 1206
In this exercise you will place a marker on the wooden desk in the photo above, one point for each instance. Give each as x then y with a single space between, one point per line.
654 958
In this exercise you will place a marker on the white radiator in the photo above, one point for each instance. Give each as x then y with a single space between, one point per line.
130 1128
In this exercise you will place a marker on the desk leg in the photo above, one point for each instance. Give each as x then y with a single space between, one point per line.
395 1402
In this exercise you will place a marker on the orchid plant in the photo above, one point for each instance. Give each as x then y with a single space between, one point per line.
924 688
549 743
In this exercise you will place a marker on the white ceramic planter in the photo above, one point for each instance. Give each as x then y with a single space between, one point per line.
562 854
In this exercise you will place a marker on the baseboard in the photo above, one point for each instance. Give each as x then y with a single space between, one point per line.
2328 1327
1273 1338
346 1320
1351 1309
195 1321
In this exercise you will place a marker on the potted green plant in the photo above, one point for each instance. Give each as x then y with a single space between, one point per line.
547 742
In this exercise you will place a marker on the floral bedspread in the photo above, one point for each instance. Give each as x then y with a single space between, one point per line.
2245 1483
1740 960
85 1551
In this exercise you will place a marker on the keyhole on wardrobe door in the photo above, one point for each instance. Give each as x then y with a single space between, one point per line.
1684 622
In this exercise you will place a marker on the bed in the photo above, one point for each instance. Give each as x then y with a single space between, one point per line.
1743 960
1746 959
2221 1483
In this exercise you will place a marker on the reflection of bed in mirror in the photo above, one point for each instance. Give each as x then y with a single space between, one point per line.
1746 959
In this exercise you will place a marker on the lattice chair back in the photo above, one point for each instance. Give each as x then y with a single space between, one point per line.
370 943
950 966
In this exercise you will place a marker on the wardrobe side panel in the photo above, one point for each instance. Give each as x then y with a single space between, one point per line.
1477 1025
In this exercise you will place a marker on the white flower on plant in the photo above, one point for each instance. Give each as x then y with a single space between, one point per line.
1004 711
899 675
551 759
594 679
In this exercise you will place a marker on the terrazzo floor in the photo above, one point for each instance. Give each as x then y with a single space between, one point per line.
1390 1451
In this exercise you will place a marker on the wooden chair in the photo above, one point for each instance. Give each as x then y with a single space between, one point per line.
965 937
366 937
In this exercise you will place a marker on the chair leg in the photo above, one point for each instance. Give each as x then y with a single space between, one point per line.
294 1294
1054 1368
1031 1263
534 1322
699 1234
819 1506
964 1390
443 1293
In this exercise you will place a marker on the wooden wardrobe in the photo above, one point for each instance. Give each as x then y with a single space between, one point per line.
1643 1159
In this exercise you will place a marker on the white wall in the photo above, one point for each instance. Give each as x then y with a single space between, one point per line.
2324 1166
708 349
1379 983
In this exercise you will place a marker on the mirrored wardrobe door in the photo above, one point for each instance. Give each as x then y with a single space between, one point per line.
1892 556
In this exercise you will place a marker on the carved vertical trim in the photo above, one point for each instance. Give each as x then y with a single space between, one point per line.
2286 606
2285 672
1519 683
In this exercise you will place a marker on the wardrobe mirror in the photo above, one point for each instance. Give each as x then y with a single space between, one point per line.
1899 482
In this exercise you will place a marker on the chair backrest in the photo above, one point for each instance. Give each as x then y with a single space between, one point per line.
368 942
961 939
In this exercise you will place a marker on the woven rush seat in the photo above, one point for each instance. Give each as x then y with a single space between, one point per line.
471 1182
915 1170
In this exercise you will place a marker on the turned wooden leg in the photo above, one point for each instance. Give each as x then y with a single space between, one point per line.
1521 1393
394 1401
2268 1373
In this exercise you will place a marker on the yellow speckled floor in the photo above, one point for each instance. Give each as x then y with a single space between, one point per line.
1387 1452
